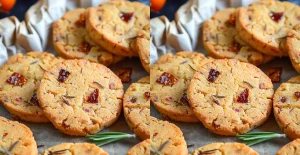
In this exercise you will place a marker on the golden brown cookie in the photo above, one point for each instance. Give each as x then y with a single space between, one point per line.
142 148
71 41
20 77
16 139
75 149
230 97
136 105
169 79
167 138
293 48
115 25
221 40
80 97
225 149
143 47
292 148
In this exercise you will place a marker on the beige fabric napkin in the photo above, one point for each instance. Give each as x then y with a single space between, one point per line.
184 32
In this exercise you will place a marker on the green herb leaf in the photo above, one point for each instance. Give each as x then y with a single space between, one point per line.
104 138
258 137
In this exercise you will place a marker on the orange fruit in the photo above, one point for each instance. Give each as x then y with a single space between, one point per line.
157 5
7 5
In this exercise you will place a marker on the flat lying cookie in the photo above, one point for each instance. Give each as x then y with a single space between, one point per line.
143 47
230 97
20 77
80 97
167 138
75 149
71 41
225 149
136 104
170 77
115 25
286 107
142 148
292 148
16 138
221 40
293 47
265 25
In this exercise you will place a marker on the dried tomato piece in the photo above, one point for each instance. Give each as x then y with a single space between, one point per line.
133 100
276 16
297 94
147 95
5 134
16 79
81 20
184 99
111 86
231 20
169 99
125 74
261 86
283 99
243 97
34 100
213 75
274 74
126 17
167 79
85 47
93 97
235 47
63 75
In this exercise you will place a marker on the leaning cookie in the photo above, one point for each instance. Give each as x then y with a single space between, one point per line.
170 77
71 41
75 149
225 149
143 47
115 25
80 97
230 97
142 148
221 40
16 139
292 148
286 107
265 25
167 138
20 77
293 48
136 105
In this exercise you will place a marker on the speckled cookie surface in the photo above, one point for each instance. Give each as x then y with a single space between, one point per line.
169 79
265 25
142 148
286 107
230 97
293 47
115 25
16 138
75 149
143 47
20 77
80 97
167 137
225 149
292 148
136 104
71 40
221 40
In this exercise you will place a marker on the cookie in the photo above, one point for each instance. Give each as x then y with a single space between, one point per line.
16 138
142 148
75 149
230 97
170 77
20 77
167 138
80 97
225 149
292 148
136 105
286 109
221 40
143 47
265 25
115 25
292 47
71 41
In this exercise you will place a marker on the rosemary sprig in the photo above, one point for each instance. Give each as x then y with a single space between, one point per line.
104 138
258 137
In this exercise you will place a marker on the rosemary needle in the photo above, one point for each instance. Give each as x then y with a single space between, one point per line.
258 137
104 138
